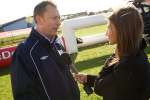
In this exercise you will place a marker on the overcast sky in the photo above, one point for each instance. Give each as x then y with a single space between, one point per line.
13 9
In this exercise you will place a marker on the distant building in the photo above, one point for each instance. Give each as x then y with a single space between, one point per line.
1 29
70 16
21 23
91 13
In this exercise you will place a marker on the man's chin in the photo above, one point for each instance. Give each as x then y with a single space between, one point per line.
53 33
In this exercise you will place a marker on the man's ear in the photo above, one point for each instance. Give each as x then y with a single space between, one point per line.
39 19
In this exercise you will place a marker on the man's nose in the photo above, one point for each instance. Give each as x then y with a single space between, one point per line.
59 23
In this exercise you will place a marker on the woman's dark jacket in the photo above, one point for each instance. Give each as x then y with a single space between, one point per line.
125 80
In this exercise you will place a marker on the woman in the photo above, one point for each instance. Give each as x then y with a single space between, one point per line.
124 74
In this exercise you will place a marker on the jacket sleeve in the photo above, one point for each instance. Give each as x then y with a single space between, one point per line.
112 79
123 77
103 83
20 79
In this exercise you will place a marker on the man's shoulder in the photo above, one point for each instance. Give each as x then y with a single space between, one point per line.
25 46
20 50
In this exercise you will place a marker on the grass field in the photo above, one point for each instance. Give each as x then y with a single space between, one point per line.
12 40
91 30
89 60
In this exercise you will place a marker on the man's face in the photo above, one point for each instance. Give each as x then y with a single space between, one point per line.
148 1
50 21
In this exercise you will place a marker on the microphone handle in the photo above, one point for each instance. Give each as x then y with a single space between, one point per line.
86 87
74 69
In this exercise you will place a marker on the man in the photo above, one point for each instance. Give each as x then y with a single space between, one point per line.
37 70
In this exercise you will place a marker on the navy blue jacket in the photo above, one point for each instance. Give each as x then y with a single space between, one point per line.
37 73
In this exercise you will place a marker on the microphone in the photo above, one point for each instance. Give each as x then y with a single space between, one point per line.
66 60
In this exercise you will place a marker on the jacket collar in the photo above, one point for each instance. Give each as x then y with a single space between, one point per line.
35 34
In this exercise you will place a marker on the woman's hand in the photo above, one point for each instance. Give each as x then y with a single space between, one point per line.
81 78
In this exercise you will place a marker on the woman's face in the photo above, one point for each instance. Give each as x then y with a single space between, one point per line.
111 33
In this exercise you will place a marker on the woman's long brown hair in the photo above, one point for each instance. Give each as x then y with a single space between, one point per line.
129 28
